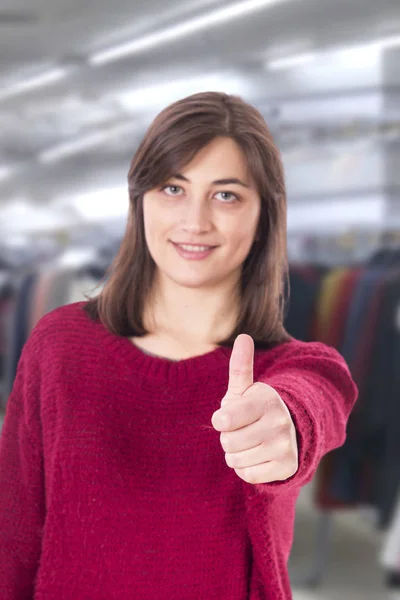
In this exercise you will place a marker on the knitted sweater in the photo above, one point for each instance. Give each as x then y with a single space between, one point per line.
113 482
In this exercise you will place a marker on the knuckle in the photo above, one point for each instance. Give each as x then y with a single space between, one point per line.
256 394
290 469
283 426
249 475
225 442
266 450
228 459
258 385
287 447
287 452
232 460
239 372
290 473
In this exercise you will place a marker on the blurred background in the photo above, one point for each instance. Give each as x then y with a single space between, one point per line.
79 84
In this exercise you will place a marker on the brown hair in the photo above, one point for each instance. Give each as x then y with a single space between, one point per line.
172 140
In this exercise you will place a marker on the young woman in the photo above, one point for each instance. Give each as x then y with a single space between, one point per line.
157 436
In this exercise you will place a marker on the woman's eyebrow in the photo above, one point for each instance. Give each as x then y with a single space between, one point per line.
225 181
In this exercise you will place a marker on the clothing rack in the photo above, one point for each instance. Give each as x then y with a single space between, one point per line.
36 292
348 246
351 288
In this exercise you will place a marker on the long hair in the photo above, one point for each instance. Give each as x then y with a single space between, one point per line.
172 140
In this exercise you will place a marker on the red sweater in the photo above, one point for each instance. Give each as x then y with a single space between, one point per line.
113 482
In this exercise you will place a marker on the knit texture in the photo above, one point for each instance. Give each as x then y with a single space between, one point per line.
113 482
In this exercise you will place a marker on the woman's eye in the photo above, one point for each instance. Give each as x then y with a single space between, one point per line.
227 196
172 190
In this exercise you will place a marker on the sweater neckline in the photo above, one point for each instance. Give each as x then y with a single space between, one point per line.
159 368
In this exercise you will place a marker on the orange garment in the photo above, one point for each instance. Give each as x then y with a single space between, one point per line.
326 302
341 306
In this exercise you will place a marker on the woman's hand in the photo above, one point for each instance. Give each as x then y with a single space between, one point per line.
257 431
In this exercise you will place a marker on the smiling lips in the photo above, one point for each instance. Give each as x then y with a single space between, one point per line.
193 251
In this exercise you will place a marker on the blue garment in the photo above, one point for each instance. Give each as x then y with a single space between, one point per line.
347 481
365 288
19 329
300 309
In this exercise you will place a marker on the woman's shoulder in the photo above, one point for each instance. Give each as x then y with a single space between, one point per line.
63 327
70 317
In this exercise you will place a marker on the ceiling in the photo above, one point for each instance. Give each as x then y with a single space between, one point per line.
108 106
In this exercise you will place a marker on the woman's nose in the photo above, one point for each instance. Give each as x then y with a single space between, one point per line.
196 217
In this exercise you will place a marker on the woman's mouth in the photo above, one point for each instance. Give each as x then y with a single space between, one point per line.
192 251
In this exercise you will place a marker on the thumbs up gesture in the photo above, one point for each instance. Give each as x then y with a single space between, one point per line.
257 431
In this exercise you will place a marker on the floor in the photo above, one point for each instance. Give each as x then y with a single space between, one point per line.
352 569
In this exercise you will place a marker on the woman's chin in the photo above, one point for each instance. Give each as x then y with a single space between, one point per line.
194 281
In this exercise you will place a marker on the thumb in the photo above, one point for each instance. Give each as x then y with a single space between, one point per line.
241 365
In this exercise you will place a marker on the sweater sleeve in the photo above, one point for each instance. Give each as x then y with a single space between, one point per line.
314 382
22 498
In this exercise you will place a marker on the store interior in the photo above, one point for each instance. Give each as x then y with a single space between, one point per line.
80 82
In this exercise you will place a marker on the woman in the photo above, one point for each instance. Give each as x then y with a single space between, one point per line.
142 456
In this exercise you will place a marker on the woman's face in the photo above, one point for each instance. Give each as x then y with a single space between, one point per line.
201 223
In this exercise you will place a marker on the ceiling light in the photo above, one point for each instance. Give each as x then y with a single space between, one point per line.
354 55
377 45
82 144
164 93
31 218
388 42
290 61
32 83
101 204
171 34
360 54
5 172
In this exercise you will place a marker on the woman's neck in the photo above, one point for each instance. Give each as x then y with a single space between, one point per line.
192 316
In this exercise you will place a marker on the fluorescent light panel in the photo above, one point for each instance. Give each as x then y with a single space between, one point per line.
359 51
33 83
81 144
5 172
389 42
291 61
211 19
163 93
101 204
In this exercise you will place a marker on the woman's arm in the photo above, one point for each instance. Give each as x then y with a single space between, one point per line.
22 497
314 382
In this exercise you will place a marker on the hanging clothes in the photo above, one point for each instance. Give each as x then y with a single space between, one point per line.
39 293
357 311
304 285
19 328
